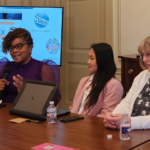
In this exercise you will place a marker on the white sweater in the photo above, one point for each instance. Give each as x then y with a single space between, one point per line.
126 105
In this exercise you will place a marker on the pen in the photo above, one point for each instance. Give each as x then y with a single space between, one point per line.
36 121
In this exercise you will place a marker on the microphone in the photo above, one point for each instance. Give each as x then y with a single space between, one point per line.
6 72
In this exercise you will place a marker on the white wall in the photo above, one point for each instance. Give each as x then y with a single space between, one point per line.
134 24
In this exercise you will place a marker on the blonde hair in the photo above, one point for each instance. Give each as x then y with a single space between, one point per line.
144 43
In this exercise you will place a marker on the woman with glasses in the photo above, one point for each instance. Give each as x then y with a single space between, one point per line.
137 102
100 92
19 43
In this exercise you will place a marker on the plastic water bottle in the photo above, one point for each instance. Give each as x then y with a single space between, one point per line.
51 113
125 128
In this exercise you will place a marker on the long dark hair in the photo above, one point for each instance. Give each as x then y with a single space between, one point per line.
106 69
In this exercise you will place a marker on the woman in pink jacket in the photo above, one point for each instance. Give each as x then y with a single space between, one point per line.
100 92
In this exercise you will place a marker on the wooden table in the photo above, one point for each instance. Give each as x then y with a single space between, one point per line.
144 146
86 134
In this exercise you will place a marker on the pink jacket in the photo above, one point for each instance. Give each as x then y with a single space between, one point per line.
107 100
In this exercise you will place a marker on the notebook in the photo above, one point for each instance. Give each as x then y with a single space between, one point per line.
50 146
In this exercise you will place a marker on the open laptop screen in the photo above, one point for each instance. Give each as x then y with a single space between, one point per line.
33 99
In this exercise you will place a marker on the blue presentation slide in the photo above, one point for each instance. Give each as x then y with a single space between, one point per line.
44 24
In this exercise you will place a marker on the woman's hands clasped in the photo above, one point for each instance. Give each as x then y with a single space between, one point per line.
18 82
112 120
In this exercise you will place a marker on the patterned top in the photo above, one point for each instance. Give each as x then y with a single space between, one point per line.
142 102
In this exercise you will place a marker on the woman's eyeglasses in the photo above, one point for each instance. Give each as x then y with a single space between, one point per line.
147 56
18 46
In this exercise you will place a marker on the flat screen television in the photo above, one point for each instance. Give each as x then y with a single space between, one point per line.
44 24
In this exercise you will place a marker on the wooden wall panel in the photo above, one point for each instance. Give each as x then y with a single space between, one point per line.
14 2
38 2
83 24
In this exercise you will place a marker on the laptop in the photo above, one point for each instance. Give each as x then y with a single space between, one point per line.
61 112
33 99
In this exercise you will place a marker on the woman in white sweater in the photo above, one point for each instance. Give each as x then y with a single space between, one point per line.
137 102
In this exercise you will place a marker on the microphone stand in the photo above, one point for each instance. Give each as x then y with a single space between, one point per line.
6 72
2 105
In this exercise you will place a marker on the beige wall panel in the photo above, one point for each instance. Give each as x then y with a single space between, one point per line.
38 2
118 74
75 70
26 2
129 26
83 23
50 3
135 24
77 57
53 3
101 30
14 2
116 35
109 22
116 31
2 2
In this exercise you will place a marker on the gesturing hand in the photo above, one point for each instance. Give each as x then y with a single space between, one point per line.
18 82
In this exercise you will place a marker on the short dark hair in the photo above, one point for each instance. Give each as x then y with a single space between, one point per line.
13 34
106 69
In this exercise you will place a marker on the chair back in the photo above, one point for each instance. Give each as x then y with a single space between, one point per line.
55 69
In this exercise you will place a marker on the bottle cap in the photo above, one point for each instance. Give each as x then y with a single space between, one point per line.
109 136
51 102
125 115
